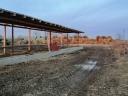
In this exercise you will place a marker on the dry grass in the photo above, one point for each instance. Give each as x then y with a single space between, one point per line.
112 80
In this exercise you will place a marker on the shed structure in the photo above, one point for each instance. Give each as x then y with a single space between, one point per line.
17 20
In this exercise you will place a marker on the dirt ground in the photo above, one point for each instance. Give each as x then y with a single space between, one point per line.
111 80
60 77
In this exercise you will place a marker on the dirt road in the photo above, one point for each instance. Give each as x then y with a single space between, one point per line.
60 76
111 80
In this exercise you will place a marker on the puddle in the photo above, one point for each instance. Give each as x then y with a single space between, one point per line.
89 65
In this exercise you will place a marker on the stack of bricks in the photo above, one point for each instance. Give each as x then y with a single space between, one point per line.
84 40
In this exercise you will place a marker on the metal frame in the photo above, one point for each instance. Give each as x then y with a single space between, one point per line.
10 17
13 19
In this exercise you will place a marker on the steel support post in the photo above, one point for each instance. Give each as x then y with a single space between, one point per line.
61 41
29 40
67 40
4 40
49 41
45 38
78 39
12 43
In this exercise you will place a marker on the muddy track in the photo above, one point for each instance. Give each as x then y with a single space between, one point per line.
58 77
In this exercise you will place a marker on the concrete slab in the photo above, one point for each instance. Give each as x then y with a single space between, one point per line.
36 56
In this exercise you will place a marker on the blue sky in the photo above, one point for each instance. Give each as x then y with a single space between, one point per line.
94 17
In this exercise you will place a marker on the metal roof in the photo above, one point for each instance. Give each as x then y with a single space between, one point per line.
24 21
